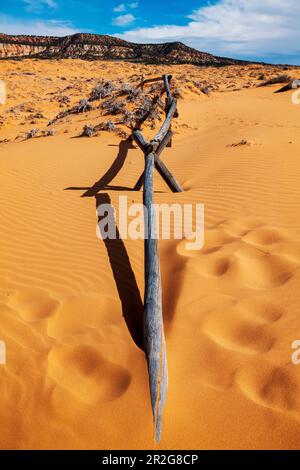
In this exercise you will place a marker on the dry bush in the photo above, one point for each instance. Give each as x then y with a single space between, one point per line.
31 134
49 133
82 107
102 90
88 131
108 126
284 78
64 100
113 107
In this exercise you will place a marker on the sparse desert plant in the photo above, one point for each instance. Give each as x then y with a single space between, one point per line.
82 107
64 100
102 90
49 133
122 134
156 88
129 119
284 78
38 116
88 131
205 90
109 126
125 89
131 92
31 134
113 107
239 144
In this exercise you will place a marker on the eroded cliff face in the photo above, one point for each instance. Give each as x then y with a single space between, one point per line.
91 46
19 50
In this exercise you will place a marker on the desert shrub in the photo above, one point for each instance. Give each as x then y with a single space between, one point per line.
102 90
49 133
127 89
38 116
88 131
122 134
113 107
205 90
31 134
83 106
109 126
279 79
64 100
156 88
147 109
129 119
262 77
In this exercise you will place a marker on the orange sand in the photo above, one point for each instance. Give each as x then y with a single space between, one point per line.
74 376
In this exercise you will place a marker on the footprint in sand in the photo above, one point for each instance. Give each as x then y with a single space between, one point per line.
87 374
236 328
240 227
263 236
215 238
33 304
246 252
77 313
273 387
18 333
243 254
214 265
260 270
232 336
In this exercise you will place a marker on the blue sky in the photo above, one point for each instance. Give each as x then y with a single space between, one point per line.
255 29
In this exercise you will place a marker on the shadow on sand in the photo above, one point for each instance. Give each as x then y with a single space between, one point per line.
129 294
132 305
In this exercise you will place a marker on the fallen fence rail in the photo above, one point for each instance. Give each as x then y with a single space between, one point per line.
154 338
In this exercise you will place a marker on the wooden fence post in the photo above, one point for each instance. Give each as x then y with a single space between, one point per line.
153 321
154 338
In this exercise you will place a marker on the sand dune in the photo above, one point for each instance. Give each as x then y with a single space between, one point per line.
70 304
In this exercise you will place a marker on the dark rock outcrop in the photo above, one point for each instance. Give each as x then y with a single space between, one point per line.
103 47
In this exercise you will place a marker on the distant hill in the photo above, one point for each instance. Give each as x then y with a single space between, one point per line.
103 47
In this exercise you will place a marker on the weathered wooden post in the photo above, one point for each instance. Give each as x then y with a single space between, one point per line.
167 79
154 338
153 320
159 165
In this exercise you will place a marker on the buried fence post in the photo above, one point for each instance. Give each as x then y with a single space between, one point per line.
153 321
154 337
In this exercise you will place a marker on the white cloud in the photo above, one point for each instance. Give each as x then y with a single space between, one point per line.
38 5
120 8
10 25
239 27
123 20
133 5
